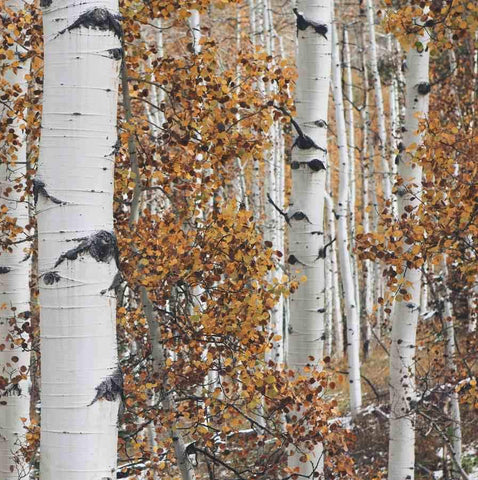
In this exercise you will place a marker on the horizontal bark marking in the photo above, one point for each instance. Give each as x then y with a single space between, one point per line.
98 19
45 3
102 246
4 270
315 165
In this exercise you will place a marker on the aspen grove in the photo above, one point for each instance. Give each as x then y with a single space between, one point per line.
238 239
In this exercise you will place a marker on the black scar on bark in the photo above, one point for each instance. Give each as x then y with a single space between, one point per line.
111 388
293 260
45 3
39 188
116 149
98 19
12 390
51 277
423 88
4 270
115 53
300 216
117 281
320 123
102 246
323 250
303 23
315 165
303 141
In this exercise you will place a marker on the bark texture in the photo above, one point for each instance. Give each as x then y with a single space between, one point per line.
81 380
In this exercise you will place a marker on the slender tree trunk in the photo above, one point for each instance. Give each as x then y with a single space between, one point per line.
351 149
195 26
377 84
14 281
78 258
401 464
353 321
309 162
336 313
450 352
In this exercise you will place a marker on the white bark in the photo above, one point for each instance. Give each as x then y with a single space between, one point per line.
377 84
80 377
345 260
351 150
450 352
405 313
306 327
195 26
336 313
14 285
367 264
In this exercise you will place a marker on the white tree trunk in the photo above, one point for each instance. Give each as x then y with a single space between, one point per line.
345 260
450 352
377 84
351 149
81 380
401 464
14 283
336 307
195 26
309 161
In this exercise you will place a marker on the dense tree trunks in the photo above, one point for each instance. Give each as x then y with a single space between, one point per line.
336 307
345 258
309 162
405 312
349 107
14 279
81 380
377 86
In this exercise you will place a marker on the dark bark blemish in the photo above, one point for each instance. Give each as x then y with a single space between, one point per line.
111 388
102 246
323 250
98 19
300 216
12 390
320 123
45 3
423 88
39 189
4 270
316 165
51 277
115 53
303 23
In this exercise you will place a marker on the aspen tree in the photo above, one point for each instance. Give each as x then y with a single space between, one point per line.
345 260
401 463
351 150
309 163
14 272
78 257
377 85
